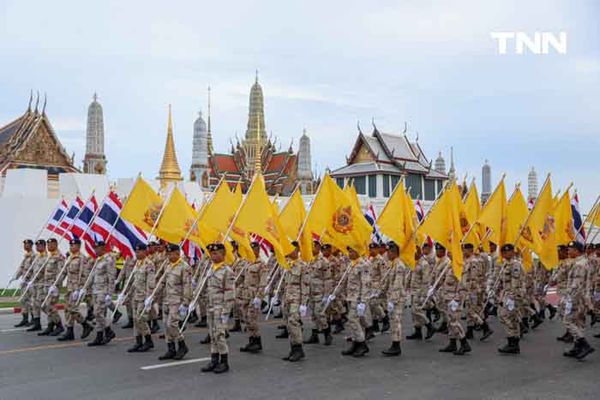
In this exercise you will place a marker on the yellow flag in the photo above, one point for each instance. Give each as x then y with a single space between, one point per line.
350 191
293 215
472 211
238 192
143 206
493 214
258 217
397 221
595 215
516 214
177 219
563 216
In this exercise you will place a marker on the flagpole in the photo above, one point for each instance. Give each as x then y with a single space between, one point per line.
466 235
310 208
531 212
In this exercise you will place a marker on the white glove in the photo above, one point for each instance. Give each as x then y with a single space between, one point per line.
75 295
510 304
225 318
19 281
53 290
81 294
257 302
430 292
274 301
453 305
108 299
29 285
194 285
192 305
330 298
390 307
596 295
120 298
360 309
325 300
568 306
183 310
303 310
148 302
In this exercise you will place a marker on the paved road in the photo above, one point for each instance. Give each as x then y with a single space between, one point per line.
33 368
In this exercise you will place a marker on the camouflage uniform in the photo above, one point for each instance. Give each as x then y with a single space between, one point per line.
441 264
577 297
103 284
75 274
24 272
221 297
510 289
239 268
357 288
336 308
320 284
36 290
53 266
395 290
471 280
595 282
378 270
560 278
255 280
452 292
122 279
419 284
177 291
143 285
541 278
296 294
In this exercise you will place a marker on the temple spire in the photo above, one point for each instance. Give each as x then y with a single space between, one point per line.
257 159
169 169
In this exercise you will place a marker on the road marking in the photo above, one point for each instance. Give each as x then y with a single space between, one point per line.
174 364
12 330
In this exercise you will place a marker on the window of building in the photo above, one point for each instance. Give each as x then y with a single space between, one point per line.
340 182
386 186
395 179
372 185
440 185
413 182
429 189
360 185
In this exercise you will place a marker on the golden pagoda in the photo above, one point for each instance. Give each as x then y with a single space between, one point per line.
169 169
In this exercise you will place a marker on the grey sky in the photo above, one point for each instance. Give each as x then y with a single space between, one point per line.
323 66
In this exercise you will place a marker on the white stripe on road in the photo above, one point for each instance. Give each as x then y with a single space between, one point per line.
12 330
174 364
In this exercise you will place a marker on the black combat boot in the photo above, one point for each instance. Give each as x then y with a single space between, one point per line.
394 350
247 346
512 346
109 335
417 334
339 326
214 360
117 316
202 323
597 335
129 324
443 328
375 326
36 326
283 335
450 348
193 317
206 339
99 341
563 337
297 353
487 332
58 329
464 347
584 349
524 325
90 314
328 337
148 344
430 331
182 350
361 349
385 324
552 310
87 329
170 352
223 365
314 337
350 351
255 346
24 320
369 334
137 346
68 336
48 329
154 326
537 321
237 326
469 334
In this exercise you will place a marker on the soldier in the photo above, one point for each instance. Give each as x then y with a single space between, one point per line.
255 280
452 294
50 291
239 268
577 300
595 284
442 263
103 284
378 270
35 284
395 290
357 285
559 279
23 275
221 296
540 282
419 281
471 280
296 293
336 308
75 274
510 289
122 279
160 261
143 284
492 281
319 282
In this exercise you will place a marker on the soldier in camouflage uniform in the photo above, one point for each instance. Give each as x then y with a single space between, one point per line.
50 291
239 268
378 270
160 260
595 284
221 297
255 280
122 280
491 282
177 295
142 287
320 284
23 275
540 282
335 310
510 289
559 279
102 284
419 284
394 287
75 275
472 281
577 300
442 263
357 288
35 284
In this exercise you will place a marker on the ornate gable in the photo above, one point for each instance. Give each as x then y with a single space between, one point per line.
43 148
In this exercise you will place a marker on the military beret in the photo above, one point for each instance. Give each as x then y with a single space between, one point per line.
373 245
597 246
141 246
75 241
215 247
172 247
52 240
325 246
438 246
41 242
100 243
316 242
296 244
392 245
589 246
468 246
27 241
254 245
507 247
576 245
426 244
561 247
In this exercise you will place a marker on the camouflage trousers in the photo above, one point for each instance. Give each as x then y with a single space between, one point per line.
418 314
26 300
396 322
36 302
318 318
172 334
238 306
376 306
140 319
455 328
251 314
510 320
100 312
574 318
72 313
293 322
474 309
336 309
596 301
50 307
356 323
217 330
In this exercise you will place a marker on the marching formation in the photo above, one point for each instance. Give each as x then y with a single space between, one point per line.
237 258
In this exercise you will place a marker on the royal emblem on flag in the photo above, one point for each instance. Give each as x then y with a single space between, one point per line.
549 227
152 213
342 220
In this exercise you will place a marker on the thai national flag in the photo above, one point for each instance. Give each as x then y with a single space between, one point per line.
419 210
371 217
265 246
577 221
109 227
82 225
192 251
69 219
59 213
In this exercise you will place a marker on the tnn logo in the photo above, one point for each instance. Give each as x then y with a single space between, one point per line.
539 44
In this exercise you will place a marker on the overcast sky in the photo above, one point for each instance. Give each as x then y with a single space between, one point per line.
323 65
